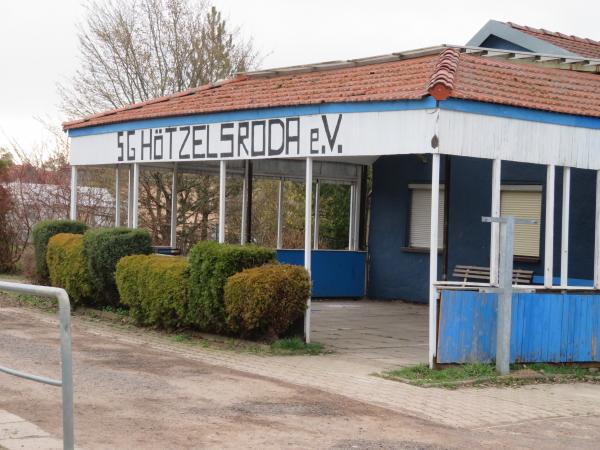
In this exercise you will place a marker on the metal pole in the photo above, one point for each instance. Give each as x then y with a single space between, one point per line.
597 235
135 197
66 382
355 228
130 197
307 240
495 226
174 207
433 256
73 212
564 235
549 237
351 218
316 232
244 204
222 187
117 197
280 213
503 326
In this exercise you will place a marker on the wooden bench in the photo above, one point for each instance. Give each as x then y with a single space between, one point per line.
482 274
166 250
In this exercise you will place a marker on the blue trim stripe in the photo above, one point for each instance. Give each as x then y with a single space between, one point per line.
514 112
252 114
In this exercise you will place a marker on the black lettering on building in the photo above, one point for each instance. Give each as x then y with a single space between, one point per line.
170 131
331 138
274 151
183 155
120 146
292 134
130 149
314 137
158 142
243 134
197 142
253 147
146 145
227 137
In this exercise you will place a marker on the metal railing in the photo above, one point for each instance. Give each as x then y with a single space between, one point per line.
66 381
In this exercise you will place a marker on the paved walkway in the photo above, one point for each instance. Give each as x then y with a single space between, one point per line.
18 434
383 333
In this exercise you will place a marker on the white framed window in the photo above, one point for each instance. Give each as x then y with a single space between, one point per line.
419 235
524 202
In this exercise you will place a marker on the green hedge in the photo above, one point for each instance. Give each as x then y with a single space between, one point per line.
67 266
264 302
103 248
210 266
42 232
155 288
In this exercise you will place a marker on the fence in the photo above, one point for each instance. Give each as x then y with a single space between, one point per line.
66 381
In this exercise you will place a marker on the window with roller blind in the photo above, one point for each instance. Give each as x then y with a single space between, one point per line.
420 216
524 202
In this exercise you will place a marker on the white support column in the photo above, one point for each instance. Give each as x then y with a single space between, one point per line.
495 236
549 236
222 187
117 197
173 241
597 235
130 196
73 211
351 218
244 206
564 236
316 232
280 213
356 227
433 256
135 190
308 240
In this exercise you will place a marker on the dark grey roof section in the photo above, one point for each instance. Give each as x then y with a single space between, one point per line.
510 34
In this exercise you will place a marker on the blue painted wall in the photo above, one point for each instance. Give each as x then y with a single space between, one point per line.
397 273
545 327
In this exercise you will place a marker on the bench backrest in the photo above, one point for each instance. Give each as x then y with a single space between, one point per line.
481 274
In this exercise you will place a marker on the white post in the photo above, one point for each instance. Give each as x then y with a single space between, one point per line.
495 236
564 236
222 186
73 212
280 214
356 227
173 242
351 218
307 240
130 197
135 188
316 232
433 256
117 197
597 235
549 237
244 205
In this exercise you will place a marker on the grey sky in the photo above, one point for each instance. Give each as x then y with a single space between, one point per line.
38 45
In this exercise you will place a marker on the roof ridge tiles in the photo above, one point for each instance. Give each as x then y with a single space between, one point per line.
441 82
552 33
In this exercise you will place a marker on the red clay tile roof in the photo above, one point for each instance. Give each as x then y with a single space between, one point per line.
587 48
448 74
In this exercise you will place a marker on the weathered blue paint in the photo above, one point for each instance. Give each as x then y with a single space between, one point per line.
335 273
396 273
545 327
539 279
262 113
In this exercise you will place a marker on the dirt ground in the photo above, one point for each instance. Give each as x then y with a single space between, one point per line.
131 396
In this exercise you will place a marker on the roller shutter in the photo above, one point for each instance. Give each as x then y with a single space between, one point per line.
420 217
524 204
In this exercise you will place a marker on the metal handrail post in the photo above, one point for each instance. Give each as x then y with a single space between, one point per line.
64 313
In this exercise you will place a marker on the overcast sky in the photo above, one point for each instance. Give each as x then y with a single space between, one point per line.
38 45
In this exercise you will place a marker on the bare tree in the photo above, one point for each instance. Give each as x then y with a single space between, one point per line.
132 51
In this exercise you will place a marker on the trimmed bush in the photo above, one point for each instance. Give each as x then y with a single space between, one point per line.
43 231
264 302
103 248
67 266
155 288
210 266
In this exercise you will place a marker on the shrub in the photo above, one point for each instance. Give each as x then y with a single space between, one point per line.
103 248
67 266
43 231
210 266
155 288
265 301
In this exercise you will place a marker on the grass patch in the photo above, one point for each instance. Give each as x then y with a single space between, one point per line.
486 375
118 310
296 346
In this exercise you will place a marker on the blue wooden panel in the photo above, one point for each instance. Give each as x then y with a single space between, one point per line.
334 273
539 279
545 327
